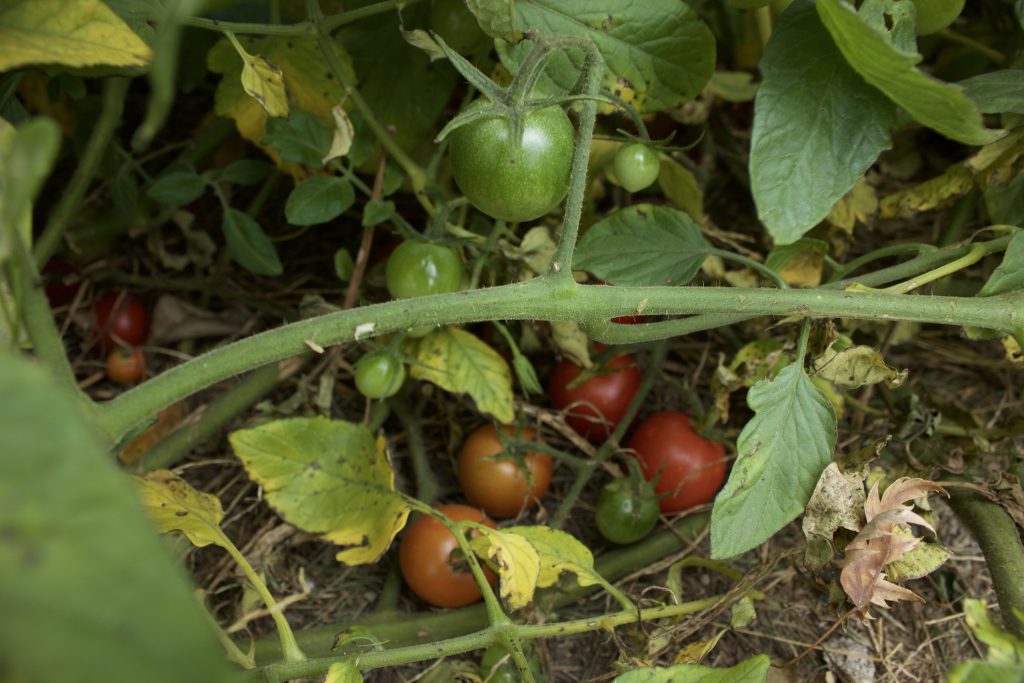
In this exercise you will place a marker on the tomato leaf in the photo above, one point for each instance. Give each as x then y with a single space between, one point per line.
26 156
459 362
643 245
817 126
248 245
781 453
997 92
681 188
177 188
497 18
857 366
245 171
942 107
301 138
1008 275
753 670
318 200
345 671
176 506
658 54
327 477
559 552
86 33
82 571
517 561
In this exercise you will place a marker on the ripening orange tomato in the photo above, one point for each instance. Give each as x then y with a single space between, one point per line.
500 486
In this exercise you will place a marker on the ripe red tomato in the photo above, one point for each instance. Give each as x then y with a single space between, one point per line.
427 566
690 469
121 319
597 405
55 275
499 486
126 366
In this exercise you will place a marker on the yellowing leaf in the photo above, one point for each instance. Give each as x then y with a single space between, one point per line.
859 205
837 503
176 506
344 671
694 653
327 477
341 143
535 252
262 81
681 188
856 366
517 561
458 362
559 552
572 341
1013 351
310 86
938 193
80 33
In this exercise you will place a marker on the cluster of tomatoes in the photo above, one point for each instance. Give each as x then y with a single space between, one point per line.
121 323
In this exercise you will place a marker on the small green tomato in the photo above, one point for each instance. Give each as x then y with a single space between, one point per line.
379 374
636 166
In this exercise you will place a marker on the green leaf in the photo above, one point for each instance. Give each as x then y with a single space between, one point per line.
643 245
345 671
940 106
753 670
319 199
177 188
658 53
1006 204
245 171
817 126
376 212
781 453
344 266
458 362
82 33
89 592
327 477
26 156
997 92
973 671
1009 275
124 194
300 138
497 18
248 245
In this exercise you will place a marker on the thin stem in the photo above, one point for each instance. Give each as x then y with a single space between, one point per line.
114 90
427 487
973 256
841 270
366 243
768 273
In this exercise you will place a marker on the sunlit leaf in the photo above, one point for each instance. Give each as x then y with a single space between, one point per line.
517 561
175 506
559 552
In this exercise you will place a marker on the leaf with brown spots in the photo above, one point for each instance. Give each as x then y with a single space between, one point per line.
175 506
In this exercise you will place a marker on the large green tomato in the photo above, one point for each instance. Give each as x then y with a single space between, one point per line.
418 269
935 15
513 185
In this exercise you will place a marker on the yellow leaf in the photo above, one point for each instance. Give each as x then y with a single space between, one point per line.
341 143
858 206
572 341
458 362
558 552
856 366
176 506
694 653
344 671
310 86
681 187
80 33
1013 351
517 561
262 81
938 193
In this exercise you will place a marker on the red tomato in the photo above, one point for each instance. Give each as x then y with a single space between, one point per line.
690 469
126 366
121 319
597 405
427 566
58 291
499 486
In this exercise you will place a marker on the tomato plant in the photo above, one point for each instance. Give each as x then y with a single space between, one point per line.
689 469
597 405
509 181
626 511
935 15
379 374
496 665
425 557
418 268
453 21
501 487
121 319
622 319
636 166
126 366
59 292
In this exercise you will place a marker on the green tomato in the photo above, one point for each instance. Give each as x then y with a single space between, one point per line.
626 513
453 21
509 184
636 166
418 269
379 375
491 671
935 15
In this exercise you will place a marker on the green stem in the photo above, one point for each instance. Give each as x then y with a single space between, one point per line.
546 298
841 270
173 448
290 649
427 487
969 259
768 273
481 639
994 56
302 28
1000 542
114 90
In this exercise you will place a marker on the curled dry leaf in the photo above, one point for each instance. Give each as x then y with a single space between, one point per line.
878 544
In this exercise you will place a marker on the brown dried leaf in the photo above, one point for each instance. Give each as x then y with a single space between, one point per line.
167 420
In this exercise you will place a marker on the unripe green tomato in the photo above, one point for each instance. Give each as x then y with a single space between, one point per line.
513 184
625 514
453 21
379 374
636 166
418 269
935 15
